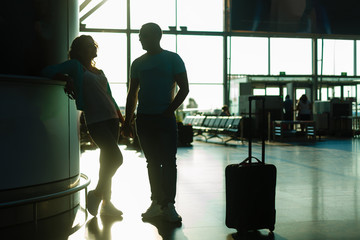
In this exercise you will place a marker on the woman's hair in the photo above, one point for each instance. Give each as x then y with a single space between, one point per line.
80 47
303 98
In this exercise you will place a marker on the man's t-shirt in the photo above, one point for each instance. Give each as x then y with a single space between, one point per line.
156 78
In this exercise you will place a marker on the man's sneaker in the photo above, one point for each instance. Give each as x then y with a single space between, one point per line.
170 214
93 202
153 211
109 209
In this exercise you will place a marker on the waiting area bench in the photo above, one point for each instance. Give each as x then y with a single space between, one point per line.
226 128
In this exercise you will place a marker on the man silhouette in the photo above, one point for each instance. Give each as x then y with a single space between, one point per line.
152 84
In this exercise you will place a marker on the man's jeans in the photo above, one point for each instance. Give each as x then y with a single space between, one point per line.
158 140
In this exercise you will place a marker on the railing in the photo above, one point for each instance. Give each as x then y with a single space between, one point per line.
36 200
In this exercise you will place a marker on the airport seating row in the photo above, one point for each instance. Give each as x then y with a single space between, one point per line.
226 128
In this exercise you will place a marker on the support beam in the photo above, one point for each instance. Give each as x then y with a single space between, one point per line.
226 58
84 4
128 43
314 95
91 11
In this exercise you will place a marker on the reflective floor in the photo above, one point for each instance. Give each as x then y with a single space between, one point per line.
317 195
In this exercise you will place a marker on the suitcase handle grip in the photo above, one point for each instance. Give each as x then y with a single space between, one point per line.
248 160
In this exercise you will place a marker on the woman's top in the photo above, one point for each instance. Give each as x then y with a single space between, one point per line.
96 99
304 107
98 103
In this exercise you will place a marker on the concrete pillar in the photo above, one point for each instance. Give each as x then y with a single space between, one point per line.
38 123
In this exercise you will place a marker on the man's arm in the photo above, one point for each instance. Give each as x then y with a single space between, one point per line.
182 81
121 118
131 101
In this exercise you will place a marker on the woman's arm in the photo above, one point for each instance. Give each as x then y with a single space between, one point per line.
70 67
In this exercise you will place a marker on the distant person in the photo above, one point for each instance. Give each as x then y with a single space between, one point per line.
304 109
152 84
225 111
102 115
288 109
192 103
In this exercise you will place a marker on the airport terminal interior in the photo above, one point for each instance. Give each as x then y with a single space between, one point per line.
317 195
234 51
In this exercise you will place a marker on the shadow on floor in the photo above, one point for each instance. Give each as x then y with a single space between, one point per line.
104 233
167 230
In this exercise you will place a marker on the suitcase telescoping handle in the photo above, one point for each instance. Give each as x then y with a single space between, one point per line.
248 159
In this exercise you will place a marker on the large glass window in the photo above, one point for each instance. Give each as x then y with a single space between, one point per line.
299 92
161 12
112 60
272 91
290 55
338 57
203 54
207 96
249 55
337 91
324 94
203 57
259 91
349 91
112 14
111 55
201 15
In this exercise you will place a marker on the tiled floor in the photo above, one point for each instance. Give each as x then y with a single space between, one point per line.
317 195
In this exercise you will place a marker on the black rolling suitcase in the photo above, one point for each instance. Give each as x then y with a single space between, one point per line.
185 135
250 190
